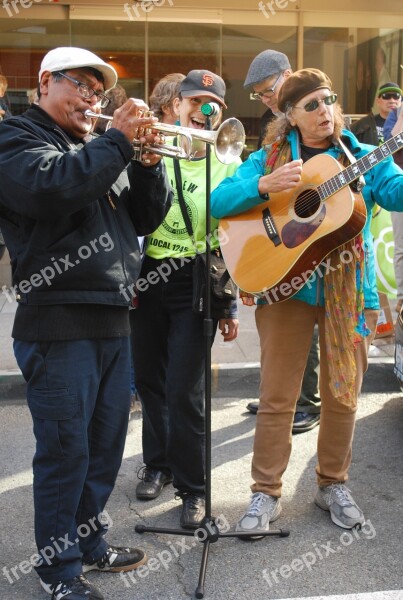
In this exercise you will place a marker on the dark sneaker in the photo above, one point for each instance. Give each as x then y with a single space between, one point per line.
337 499
305 422
193 510
78 588
117 559
253 407
151 484
262 510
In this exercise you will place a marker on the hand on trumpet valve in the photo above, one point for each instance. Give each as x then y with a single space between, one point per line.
135 121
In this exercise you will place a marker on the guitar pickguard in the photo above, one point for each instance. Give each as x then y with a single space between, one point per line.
295 233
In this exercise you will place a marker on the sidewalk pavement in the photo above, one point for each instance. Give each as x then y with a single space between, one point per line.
243 353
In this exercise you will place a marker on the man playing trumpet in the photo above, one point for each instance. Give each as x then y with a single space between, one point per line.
70 211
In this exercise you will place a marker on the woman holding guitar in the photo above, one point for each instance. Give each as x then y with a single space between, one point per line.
308 255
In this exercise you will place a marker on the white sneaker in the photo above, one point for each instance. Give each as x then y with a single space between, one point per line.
337 499
262 510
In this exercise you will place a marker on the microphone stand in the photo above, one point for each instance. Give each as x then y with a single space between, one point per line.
208 532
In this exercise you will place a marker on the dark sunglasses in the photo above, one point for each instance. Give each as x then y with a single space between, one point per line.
314 104
391 96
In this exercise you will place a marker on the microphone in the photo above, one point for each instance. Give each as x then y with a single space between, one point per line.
210 109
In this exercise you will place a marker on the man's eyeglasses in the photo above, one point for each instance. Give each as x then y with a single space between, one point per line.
86 91
391 96
268 92
314 104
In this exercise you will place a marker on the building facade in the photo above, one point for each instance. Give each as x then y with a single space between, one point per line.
357 44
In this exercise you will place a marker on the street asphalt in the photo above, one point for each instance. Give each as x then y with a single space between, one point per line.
317 560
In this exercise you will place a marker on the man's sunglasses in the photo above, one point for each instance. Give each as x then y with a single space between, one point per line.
391 96
314 104
268 92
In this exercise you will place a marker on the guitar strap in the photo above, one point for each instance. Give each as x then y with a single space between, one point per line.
360 182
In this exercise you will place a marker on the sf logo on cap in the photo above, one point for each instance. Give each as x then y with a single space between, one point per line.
207 80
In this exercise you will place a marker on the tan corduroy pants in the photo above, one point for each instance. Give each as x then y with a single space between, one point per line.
285 331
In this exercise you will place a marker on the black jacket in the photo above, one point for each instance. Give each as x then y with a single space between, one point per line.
70 212
365 130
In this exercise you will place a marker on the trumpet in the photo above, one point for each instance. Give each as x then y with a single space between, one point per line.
228 141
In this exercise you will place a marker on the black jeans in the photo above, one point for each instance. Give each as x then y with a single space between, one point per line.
169 361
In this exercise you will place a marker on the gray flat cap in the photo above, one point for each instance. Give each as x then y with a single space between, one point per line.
266 64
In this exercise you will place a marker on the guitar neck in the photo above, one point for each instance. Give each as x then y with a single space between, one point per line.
364 164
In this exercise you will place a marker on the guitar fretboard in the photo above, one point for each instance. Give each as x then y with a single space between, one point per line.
364 164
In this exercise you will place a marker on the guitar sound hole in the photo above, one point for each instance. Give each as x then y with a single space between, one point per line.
307 204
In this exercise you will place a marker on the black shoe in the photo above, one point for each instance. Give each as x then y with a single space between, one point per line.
193 510
116 559
305 422
253 407
152 483
78 588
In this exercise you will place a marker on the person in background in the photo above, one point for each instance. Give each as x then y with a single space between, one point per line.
32 96
267 73
393 126
163 95
5 111
167 335
369 129
71 225
343 301
117 97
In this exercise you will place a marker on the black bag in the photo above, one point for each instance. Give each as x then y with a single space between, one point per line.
223 290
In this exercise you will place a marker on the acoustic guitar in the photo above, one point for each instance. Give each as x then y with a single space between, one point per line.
273 248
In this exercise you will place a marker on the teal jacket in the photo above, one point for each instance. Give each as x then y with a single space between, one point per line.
384 186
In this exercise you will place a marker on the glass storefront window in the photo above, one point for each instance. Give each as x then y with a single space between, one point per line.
181 47
23 45
121 44
356 60
240 45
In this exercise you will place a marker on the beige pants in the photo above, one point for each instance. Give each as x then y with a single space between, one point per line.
285 331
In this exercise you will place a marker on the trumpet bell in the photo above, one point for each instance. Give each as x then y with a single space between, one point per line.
230 141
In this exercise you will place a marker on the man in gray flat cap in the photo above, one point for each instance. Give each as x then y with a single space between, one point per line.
266 75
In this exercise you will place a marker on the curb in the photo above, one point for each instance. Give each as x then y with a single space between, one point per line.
226 379
12 385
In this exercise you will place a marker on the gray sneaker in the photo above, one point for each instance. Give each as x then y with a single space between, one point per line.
337 499
262 510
